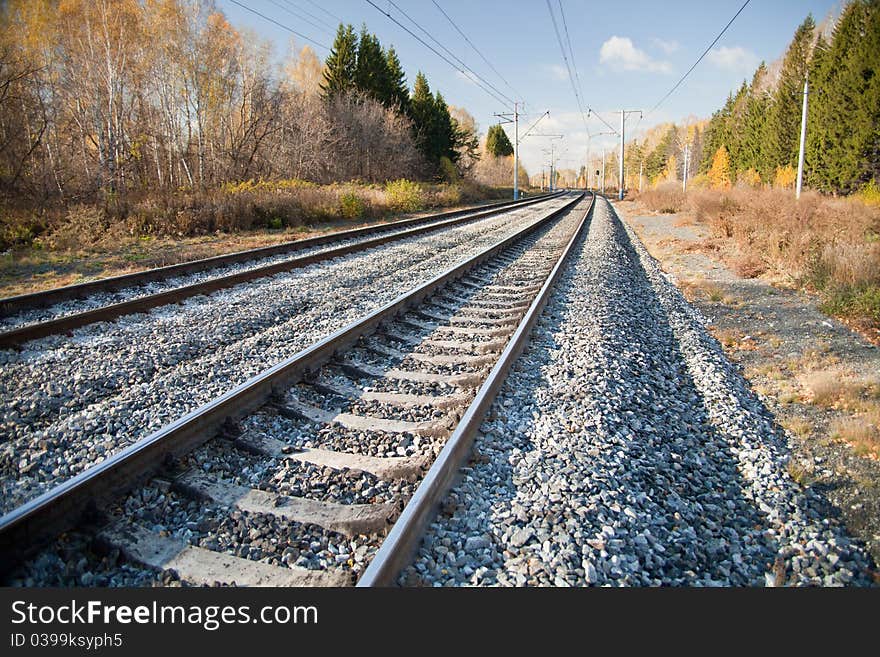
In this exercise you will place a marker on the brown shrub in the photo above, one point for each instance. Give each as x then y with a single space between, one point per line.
667 198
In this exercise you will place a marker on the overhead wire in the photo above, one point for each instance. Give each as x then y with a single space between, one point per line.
281 25
451 54
476 50
705 52
322 28
501 98
581 104
323 22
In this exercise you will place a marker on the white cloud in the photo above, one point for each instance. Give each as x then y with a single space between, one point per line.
558 72
620 53
668 47
733 59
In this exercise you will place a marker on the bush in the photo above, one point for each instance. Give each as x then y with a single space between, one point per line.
404 196
667 198
870 194
351 206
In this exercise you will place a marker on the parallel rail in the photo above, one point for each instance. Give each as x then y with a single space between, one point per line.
29 526
18 336
18 303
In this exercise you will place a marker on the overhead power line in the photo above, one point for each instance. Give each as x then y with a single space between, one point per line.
322 28
318 19
281 25
499 97
571 77
476 50
330 14
706 52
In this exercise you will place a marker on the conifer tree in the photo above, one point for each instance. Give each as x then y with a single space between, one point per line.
782 133
497 142
752 128
341 64
371 71
397 93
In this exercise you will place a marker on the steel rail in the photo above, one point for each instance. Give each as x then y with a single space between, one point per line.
25 528
18 303
397 549
18 336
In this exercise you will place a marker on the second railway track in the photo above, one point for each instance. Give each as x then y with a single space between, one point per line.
296 476
40 314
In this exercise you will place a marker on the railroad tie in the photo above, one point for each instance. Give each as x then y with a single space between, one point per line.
297 409
388 468
347 519
205 567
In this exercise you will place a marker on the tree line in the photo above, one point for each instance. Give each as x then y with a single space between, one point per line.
358 64
755 137
100 98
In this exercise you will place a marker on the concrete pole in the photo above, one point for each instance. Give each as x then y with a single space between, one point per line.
800 173
515 151
621 181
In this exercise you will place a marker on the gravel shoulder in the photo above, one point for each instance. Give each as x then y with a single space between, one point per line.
815 375
626 449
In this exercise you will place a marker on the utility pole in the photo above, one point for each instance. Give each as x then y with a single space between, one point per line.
800 173
589 151
516 151
622 180
684 181
514 119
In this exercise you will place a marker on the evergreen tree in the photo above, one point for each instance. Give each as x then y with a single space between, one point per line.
422 112
844 118
341 64
656 162
444 138
782 133
752 129
396 93
371 74
497 142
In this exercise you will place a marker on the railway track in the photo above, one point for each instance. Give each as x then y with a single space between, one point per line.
296 476
40 314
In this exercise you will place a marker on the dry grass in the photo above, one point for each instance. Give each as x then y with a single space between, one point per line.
836 388
863 435
800 472
828 244
84 244
797 426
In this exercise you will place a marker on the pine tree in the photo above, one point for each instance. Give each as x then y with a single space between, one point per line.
497 142
341 64
656 162
396 93
422 112
844 119
371 71
782 133
752 128
444 137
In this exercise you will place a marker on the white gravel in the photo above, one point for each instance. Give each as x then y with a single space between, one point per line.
625 449
72 401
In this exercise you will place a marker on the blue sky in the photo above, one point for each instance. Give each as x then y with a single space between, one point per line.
627 54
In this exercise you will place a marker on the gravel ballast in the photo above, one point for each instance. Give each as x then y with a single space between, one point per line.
625 449
73 401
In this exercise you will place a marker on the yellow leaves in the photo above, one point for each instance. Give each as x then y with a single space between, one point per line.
785 177
719 172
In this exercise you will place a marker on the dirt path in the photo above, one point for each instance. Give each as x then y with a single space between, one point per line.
821 380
